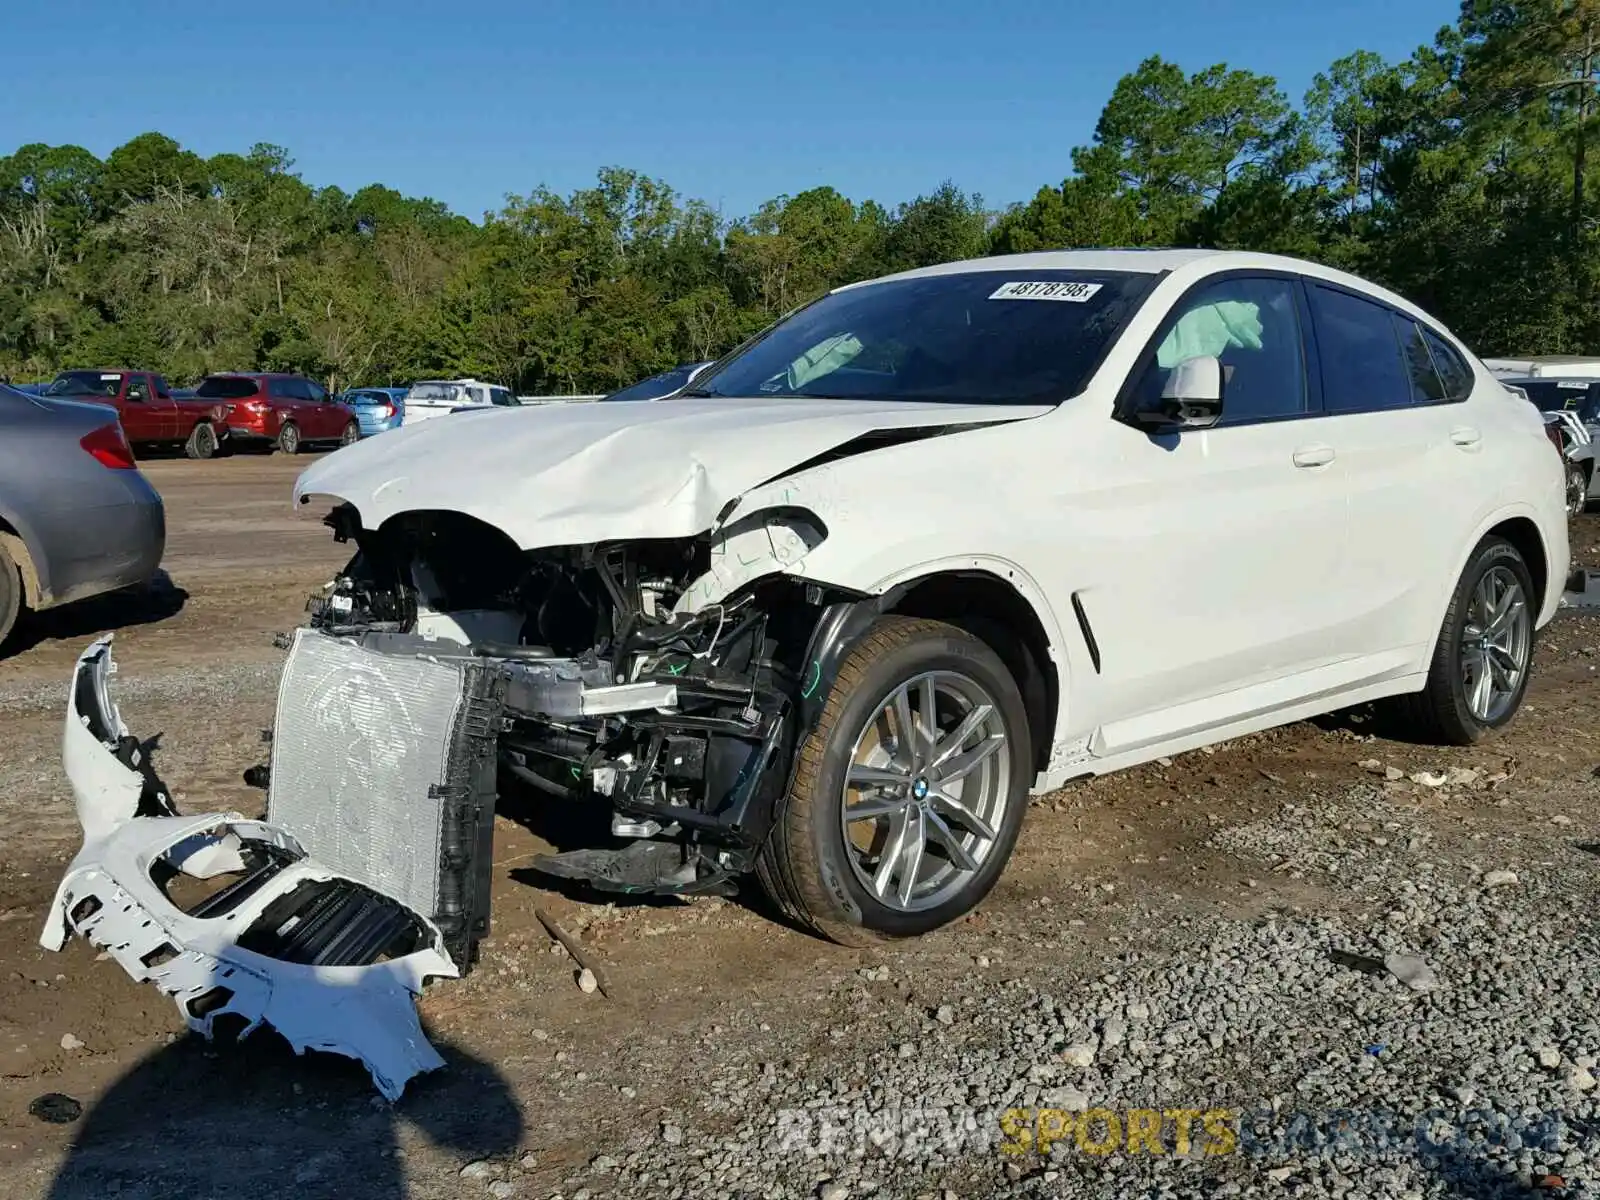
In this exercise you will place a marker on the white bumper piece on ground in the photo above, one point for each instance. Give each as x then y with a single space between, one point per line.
276 939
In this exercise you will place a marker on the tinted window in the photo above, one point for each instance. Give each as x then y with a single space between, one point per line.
282 389
502 398
138 389
973 337
226 387
313 391
1426 386
1361 364
161 387
105 384
655 387
1253 328
1452 368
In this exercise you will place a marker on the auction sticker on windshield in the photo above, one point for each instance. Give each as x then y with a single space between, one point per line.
1076 293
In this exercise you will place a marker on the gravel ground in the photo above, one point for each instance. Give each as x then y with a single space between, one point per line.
1312 962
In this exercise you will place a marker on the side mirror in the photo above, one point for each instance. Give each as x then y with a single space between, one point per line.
1191 397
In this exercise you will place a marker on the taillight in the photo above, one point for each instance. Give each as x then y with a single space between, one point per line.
385 411
109 447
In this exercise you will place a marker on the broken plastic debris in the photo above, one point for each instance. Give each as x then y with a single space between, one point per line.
1496 879
1412 971
1429 779
344 983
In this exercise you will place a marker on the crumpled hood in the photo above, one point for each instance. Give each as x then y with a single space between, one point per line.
571 474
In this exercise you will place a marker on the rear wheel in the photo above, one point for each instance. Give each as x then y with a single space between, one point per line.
202 441
289 438
351 435
10 596
1480 667
909 794
1577 489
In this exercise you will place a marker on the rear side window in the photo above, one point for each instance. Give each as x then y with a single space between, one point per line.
282 389
1362 369
226 387
1451 366
1426 386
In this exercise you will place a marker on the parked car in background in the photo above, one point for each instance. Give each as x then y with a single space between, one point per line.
1545 366
659 387
152 415
76 516
429 398
1571 407
377 409
288 412
934 542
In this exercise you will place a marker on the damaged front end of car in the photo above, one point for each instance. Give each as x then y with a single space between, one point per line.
647 678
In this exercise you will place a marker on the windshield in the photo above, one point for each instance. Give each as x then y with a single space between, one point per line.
656 387
226 387
502 398
1552 395
86 383
434 393
1012 336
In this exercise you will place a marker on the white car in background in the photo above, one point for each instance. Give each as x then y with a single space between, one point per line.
929 544
429 398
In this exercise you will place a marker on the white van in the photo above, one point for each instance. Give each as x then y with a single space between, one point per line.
435 397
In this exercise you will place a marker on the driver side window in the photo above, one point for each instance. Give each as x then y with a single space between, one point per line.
1252 327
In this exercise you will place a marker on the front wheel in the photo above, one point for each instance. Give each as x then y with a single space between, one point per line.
1577 489
289 438
202 441
1479 673
351 435
908 796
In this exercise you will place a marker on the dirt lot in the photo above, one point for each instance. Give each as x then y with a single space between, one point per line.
543 1077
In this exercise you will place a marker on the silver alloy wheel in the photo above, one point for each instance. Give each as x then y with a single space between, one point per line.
927 790
1577 490
1495 644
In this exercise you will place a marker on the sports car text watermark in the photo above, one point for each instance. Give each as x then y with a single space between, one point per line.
847 1131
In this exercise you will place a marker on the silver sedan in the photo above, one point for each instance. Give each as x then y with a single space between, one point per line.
76 516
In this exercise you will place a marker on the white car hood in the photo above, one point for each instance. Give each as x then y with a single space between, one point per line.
574 474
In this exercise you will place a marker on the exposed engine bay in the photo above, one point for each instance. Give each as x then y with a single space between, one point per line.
613 691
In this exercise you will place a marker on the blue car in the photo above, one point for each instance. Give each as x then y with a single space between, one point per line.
377 410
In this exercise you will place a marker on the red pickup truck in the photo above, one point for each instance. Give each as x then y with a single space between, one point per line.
151 415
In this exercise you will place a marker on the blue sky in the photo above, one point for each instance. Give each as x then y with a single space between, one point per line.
731 102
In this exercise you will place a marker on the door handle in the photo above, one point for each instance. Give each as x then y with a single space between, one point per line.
1313 456
1466 437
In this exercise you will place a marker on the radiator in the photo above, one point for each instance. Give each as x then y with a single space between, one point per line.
383 768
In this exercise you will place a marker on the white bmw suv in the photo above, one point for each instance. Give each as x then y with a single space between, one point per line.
826 617
938 540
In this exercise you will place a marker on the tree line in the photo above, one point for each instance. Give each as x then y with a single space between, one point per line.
1460 177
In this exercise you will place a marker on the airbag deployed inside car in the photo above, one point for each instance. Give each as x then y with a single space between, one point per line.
229 916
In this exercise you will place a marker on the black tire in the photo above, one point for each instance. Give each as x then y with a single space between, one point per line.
804 865
351 434
289 438
1441 713
1577 489
202 441
10 597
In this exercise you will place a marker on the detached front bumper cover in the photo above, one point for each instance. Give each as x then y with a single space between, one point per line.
229 916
